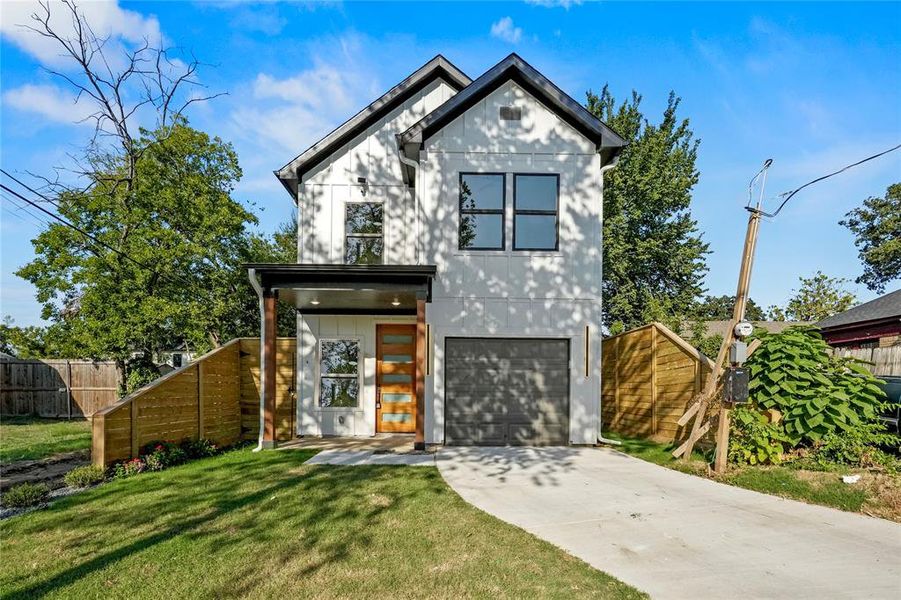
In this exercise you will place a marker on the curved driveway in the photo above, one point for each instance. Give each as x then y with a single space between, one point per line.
675 535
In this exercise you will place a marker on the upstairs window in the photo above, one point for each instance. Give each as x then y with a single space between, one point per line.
339 373
535 208
481 211
363 241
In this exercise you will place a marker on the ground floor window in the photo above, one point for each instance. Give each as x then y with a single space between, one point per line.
339 373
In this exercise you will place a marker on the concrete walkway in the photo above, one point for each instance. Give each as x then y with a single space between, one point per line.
674 535
350 458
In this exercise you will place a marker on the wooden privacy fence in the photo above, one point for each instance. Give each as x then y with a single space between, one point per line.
886 360
56 388
649 377
217 397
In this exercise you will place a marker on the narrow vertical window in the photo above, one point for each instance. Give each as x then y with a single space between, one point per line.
481 211
363 241
535 212
339 373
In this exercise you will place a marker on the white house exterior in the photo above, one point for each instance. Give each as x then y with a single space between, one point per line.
477 208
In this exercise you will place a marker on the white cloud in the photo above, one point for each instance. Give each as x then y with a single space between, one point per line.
505 30
106 19
554 3
50 102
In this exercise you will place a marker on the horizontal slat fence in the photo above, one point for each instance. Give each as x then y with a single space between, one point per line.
56 389
211 398
649 377
885 361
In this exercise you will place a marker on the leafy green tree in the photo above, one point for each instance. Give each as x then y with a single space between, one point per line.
34 341
819 297
775 313
720 308
877 229
171 244
654 258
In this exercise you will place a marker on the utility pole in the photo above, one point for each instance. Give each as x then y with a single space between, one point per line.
699 408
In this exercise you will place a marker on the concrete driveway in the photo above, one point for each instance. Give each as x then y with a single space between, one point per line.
678 536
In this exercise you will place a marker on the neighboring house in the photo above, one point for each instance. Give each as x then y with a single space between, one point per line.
170 359
873 324
449 265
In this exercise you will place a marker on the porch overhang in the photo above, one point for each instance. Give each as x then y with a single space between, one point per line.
347 289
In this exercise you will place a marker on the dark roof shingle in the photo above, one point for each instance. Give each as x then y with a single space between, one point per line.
883 307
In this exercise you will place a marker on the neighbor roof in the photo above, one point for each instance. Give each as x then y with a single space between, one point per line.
438 67
721 327
884 307
515 68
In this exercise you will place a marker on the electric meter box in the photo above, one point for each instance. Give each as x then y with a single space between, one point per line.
735 386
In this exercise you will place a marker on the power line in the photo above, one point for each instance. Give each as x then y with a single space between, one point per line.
788 195
29 188
22 208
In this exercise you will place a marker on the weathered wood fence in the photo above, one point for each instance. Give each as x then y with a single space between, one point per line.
649 377
217 397
56 388
886 361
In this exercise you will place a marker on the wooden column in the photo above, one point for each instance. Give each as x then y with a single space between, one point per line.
419 440
267 366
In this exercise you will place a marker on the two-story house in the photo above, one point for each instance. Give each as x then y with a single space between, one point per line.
448 281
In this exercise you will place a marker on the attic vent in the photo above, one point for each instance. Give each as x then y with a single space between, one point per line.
511 113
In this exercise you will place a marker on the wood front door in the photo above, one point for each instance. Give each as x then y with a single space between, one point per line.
395 354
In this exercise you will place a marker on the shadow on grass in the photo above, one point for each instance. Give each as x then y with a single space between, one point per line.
241 501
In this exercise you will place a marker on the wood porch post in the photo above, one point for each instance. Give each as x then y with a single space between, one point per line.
267 366
419 440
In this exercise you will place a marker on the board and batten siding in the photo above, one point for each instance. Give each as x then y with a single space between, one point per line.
324 191
551 294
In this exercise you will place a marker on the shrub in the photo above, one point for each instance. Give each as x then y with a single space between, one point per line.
129 468
754 439
199 448
85 476
858 447
26 494
161 454
818 395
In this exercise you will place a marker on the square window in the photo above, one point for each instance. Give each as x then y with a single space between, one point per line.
535 212
339 373
363 229
481 211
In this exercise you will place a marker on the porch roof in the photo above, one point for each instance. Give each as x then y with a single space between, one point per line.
347 289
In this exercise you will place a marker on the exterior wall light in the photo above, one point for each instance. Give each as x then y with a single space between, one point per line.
314 302
395 302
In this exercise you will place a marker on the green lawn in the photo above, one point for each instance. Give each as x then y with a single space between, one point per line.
875 494
28 438
263 525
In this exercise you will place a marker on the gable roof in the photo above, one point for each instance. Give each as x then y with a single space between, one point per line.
438 67
883 307
513 67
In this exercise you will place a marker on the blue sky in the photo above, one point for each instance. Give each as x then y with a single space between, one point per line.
813 86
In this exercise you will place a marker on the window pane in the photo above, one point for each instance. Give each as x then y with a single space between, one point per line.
363 251
338 357
397 378
339 392
397 417
535 232
363 217
397 398
482 231
483 192
536 192
397 339
397 358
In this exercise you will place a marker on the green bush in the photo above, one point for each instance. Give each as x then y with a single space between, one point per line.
858 447
85 476
817 394
199 448
129 468
26 494
754 439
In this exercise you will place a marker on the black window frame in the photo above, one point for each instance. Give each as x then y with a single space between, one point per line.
555 213
502 211
364 235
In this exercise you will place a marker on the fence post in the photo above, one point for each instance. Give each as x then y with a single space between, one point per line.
654 379
68 389
200 370
134 428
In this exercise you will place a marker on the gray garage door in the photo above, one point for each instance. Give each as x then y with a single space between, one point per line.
506 391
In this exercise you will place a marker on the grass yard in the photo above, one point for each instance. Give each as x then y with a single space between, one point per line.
29 438
876 494
264 525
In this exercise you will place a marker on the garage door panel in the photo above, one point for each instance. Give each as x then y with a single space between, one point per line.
506 391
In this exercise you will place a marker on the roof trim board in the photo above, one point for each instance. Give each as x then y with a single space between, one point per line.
437 68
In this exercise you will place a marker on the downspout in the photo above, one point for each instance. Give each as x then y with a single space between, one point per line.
252 274
601 438
415 166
